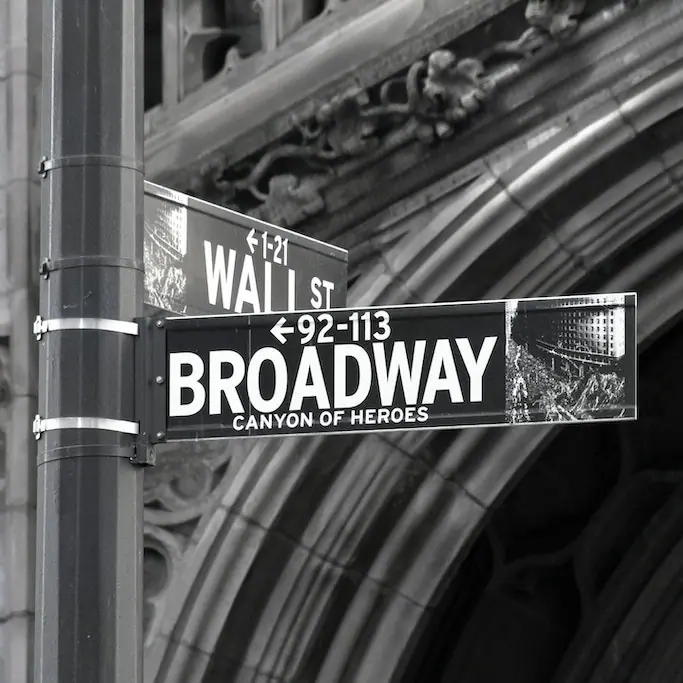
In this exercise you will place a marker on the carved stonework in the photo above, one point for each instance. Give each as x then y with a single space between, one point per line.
185 485
453 90
557 17
434 99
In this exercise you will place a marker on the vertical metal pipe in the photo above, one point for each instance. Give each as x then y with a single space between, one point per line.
89 536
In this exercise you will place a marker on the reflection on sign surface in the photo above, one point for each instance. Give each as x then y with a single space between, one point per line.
445 365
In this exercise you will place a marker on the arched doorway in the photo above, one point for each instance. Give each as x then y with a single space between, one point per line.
576 575
330 559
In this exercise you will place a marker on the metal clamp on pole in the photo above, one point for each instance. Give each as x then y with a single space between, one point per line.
41 327
73 160
48 265
41 425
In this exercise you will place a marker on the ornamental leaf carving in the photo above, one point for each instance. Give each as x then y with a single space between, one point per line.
184 487
433 100
183 484
557 17
434 97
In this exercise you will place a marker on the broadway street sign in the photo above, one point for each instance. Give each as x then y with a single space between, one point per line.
565 359
201 258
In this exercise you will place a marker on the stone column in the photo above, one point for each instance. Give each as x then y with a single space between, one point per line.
20 75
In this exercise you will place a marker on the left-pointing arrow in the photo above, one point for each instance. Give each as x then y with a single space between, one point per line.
251 240
279 330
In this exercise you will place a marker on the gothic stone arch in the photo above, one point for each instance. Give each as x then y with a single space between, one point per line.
323 559
575 575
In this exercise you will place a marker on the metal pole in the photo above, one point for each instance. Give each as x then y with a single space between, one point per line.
89 536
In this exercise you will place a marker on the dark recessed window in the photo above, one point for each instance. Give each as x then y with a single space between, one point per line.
154 65
312 8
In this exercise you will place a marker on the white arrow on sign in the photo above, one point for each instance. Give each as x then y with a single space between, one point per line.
251 240
279 330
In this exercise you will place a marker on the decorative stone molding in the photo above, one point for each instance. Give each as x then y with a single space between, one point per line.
559 18
183 487
433 100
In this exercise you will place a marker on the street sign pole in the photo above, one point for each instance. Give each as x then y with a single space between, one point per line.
89 518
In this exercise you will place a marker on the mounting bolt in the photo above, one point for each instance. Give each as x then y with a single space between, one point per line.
160 436
39 327
159 379
37 426
44 269
160 323
42 167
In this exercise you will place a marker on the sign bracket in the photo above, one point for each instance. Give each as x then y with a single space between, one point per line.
150 380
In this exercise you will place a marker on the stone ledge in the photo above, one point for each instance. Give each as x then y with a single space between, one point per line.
317 176
549 97
361 52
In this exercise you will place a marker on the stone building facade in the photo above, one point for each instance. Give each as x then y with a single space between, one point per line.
460 149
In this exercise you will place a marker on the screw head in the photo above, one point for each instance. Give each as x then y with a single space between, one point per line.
159 379
160 323
160 435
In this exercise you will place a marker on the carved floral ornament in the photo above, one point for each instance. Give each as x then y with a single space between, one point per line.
185 485
433 100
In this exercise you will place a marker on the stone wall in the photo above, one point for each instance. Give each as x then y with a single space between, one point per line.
20 72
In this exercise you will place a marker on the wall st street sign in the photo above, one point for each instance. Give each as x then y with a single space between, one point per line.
566 359
205 259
